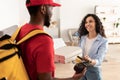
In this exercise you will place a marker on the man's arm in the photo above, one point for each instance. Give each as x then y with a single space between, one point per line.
48 76
45 76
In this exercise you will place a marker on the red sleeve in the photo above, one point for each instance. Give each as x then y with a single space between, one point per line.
44 54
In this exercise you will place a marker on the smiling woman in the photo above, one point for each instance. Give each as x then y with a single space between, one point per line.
94 45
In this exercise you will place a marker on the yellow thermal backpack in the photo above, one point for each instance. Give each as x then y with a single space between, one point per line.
11 64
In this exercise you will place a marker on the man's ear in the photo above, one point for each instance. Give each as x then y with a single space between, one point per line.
43 9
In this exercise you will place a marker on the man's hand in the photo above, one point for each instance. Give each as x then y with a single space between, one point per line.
78 76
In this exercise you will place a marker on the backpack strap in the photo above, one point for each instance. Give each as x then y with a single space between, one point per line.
31 34
14 35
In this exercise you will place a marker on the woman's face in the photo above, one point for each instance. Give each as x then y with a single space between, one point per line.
90 24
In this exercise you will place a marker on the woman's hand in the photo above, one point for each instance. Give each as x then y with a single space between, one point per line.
91 61
87 58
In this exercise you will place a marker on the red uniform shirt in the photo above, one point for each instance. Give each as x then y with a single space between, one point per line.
37 52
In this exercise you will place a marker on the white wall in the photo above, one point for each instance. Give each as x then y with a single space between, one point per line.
9 13
23 13
72 12
13 12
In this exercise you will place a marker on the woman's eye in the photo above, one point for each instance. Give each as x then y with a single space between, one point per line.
90 21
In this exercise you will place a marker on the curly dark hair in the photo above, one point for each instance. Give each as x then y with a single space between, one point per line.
99 26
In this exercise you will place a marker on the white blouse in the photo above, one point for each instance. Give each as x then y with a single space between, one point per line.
88 45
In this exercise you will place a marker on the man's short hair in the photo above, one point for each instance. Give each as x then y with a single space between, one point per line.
33 10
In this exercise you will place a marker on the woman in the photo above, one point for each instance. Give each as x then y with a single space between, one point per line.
94 45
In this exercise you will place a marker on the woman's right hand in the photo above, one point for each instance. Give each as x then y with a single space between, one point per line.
87 58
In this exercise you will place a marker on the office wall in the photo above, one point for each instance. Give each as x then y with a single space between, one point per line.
72 12
9 10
